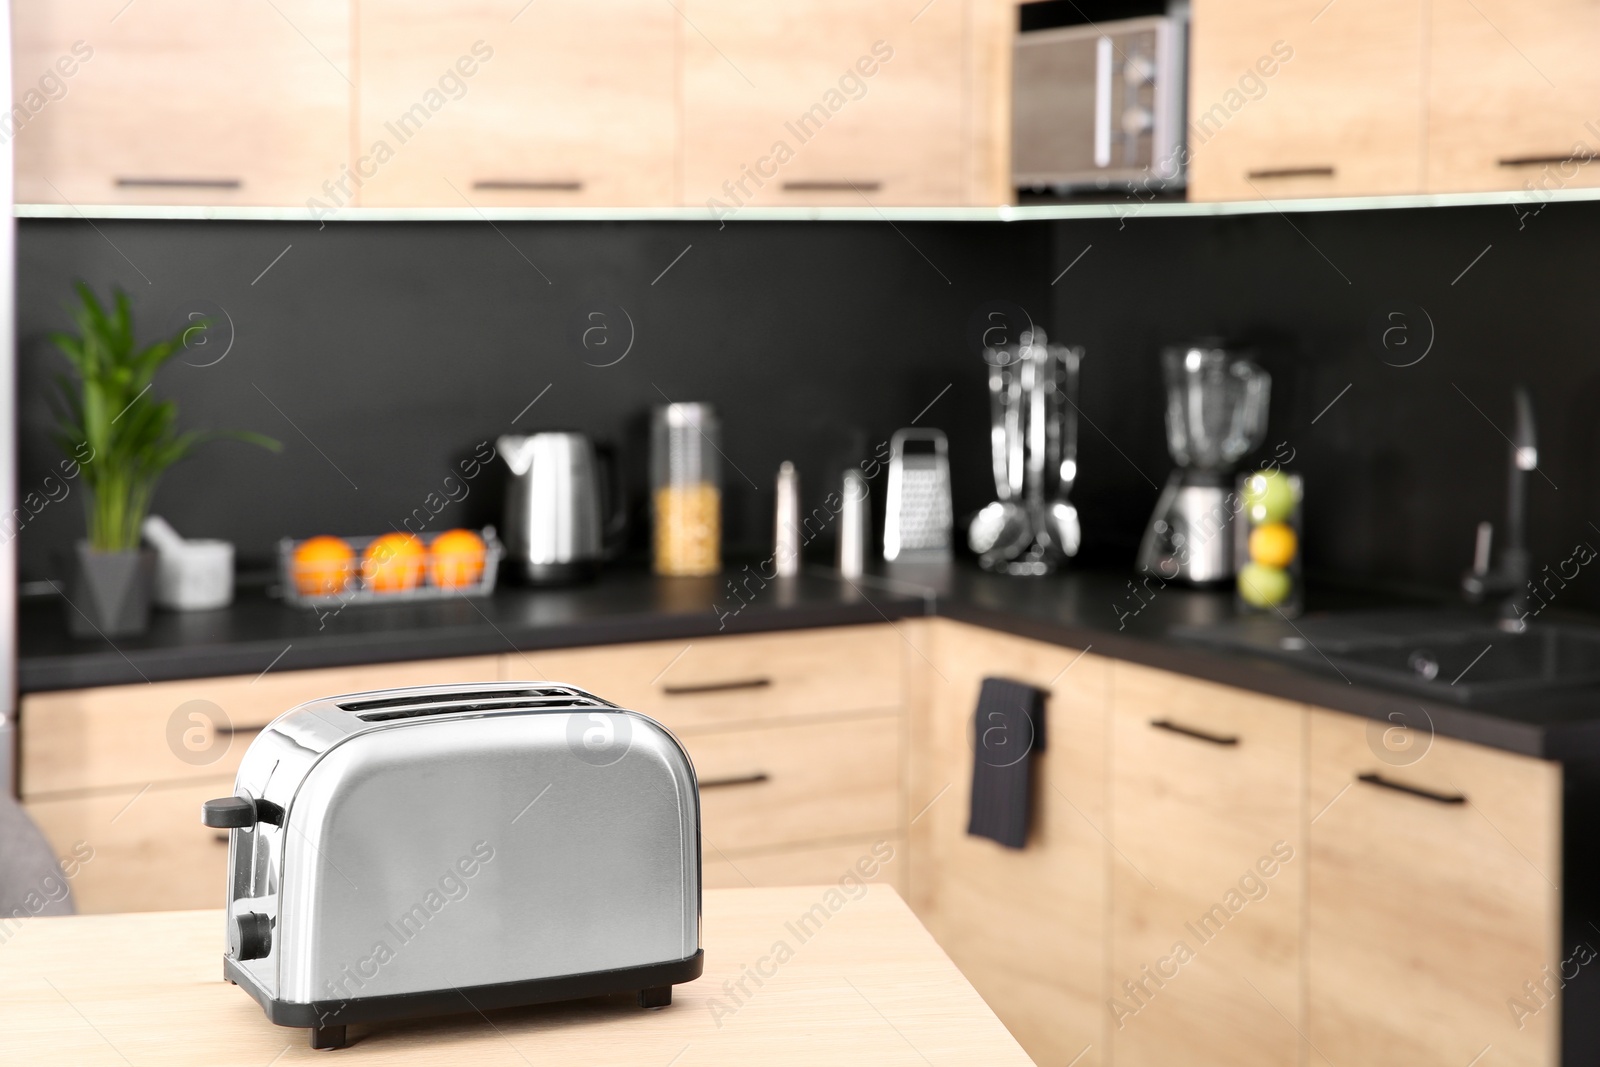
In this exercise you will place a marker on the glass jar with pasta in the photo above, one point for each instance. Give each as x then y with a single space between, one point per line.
686 488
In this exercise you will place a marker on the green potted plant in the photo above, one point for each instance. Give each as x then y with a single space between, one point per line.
124 439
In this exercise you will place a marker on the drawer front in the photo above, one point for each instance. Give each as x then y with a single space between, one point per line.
146 848
718 681
879 859
170 731
1427 911
1206 805
809 782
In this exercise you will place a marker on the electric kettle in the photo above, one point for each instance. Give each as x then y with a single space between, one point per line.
556 525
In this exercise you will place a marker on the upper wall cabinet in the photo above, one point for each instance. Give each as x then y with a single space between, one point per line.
171 102
1299 98
824 102
1513 87
501 103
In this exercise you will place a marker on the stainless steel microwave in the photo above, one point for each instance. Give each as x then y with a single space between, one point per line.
1099 106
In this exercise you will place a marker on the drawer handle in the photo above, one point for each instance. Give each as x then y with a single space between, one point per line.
235 731
1292 172
1539 161
716 687
502 185
1401 787
1189 731
179 183
820 186
738 779
221 839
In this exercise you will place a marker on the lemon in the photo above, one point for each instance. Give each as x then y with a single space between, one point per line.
1273 544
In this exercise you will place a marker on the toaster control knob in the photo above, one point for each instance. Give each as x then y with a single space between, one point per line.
255 935
228 813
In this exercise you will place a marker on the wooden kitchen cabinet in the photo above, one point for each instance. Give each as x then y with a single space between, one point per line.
1027 927
147 850
498 103
1208 873
1303 98
824 102
1426 912
180 103
79 740
124 769
717 682
867 859
795 783
1512 88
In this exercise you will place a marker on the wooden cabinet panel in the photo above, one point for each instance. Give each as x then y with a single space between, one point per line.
827 102
132 735
1027 927
181 103
147 850
504 103
1425 918
1207 875
1511 95
718 681
1298 98
866 860
776 785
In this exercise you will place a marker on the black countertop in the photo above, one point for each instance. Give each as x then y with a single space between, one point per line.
1076 608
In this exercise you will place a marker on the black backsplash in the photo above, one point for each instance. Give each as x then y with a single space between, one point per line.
381 354
1402 466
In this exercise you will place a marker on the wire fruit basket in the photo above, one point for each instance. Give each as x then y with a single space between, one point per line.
377 577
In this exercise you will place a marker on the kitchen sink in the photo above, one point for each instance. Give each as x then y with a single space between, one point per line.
1446 655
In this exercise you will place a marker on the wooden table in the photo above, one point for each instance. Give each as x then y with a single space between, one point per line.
871 987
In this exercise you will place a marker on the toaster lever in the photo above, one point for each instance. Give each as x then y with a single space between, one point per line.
228 813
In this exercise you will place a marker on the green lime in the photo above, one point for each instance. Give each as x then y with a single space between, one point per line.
1268 496
1264 586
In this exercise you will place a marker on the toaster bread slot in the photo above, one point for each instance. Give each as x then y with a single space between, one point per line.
415 699
474 705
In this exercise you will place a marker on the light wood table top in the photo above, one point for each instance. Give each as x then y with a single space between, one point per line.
869 987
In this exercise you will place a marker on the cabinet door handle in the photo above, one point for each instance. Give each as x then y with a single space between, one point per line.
179 183
221 839
1291 172
236 731
716 687
739 779
501 185
1538 161
825 186
1198 735
1401 787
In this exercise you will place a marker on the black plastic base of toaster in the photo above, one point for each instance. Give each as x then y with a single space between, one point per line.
652 981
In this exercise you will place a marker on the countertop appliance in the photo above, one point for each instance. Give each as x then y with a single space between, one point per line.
1216 415
443 849
555 526
1099 105
1031 527
917 515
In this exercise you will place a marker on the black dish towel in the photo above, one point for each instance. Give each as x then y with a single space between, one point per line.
1007 729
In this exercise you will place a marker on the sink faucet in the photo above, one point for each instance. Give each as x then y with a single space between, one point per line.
1511 576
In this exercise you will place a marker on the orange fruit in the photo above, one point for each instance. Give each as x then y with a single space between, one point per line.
393 562
455 559
1273 544
321 566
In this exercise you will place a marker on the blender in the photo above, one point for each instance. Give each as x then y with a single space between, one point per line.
1216 415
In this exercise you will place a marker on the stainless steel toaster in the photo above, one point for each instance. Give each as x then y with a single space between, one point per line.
442 849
